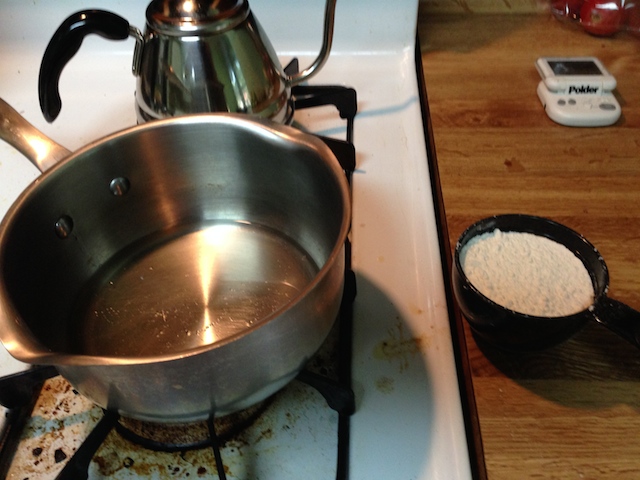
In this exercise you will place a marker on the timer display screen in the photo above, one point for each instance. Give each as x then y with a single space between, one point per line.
578 67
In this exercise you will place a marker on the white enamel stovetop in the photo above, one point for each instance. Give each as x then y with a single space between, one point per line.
408 423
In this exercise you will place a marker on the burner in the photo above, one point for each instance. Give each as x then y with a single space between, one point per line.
168 437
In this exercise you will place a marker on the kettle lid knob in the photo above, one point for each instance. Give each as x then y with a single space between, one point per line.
180 17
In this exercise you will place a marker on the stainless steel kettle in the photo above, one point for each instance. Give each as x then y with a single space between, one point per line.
194 57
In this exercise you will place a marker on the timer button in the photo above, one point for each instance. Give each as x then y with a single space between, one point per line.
607 106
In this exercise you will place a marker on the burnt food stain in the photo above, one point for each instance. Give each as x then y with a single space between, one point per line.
59 455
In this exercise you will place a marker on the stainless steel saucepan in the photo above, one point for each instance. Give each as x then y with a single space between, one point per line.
175 269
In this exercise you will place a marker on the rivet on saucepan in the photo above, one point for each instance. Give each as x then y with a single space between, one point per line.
119 186
64 226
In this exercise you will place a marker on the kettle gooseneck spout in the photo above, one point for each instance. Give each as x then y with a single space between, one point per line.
327 41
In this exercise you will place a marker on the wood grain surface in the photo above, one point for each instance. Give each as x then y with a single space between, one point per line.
571 411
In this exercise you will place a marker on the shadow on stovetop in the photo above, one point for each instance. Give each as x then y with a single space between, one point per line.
395 388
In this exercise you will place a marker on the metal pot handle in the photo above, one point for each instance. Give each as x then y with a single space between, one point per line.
28 140
66 42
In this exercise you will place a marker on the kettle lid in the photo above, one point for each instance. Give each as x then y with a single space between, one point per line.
186 17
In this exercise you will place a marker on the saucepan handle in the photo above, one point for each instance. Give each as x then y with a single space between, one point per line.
65 43
28 140
619 318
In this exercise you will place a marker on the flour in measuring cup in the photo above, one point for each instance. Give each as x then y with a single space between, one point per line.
527 273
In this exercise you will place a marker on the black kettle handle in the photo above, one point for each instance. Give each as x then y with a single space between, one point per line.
65 43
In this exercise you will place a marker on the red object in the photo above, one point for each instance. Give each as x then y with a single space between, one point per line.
568 8
601 17
632 18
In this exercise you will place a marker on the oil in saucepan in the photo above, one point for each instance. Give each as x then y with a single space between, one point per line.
197 288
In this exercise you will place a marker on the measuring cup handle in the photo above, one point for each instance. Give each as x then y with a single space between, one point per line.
619 318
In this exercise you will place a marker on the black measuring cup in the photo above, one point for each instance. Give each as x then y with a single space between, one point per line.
515 331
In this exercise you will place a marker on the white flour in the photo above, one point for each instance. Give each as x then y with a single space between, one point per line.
527 273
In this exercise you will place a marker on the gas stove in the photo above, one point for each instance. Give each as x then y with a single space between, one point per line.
408 421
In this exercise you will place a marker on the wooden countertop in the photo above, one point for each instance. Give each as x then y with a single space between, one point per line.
572 411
